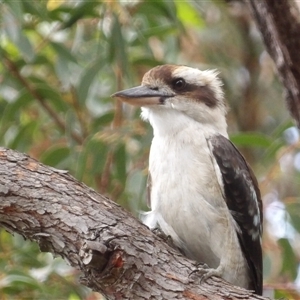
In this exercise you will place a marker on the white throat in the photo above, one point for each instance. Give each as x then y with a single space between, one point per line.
166 121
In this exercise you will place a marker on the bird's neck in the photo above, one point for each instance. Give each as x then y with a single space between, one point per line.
168 122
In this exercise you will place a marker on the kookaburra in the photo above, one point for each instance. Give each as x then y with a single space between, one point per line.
202 192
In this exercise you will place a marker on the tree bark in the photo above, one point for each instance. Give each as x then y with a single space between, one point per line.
278 22
118 256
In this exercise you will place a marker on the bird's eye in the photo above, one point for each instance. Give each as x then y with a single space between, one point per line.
179 84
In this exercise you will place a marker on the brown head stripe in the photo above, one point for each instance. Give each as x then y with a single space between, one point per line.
199 93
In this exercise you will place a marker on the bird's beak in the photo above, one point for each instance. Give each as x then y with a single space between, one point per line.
142 96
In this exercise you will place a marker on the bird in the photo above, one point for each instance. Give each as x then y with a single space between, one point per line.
201 191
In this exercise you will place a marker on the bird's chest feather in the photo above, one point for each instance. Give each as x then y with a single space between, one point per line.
184 169
186 195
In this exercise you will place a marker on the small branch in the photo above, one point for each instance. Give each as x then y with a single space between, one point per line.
13 69
280 29
117 121
118 256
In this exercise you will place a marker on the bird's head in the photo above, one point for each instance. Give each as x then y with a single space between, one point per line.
171 89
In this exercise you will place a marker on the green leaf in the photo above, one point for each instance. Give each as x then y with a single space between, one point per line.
273 149
11 26
92 158
63 52
158 31
87 79
35 8
279 130
251 139
42 60
267 265
16 9
118 46
51 95
98 152
13 109
14 31
21 281
26 48
74 297
103 120
63 71
146 61
135 186
156 10
289 264
55 155
120 159
24 137
294 212
84 9
188 15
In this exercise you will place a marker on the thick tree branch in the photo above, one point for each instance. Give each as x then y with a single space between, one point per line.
117 255
278 22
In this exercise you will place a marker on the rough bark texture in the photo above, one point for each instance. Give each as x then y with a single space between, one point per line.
278 22
117 255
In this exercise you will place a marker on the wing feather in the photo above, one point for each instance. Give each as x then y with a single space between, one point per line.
244 201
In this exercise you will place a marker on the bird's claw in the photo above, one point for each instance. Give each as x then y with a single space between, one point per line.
201 265
205 272
157 231
167 238
210 273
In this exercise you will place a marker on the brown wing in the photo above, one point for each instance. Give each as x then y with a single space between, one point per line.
244 201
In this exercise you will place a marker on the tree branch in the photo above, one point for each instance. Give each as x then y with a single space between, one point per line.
118 256
279 25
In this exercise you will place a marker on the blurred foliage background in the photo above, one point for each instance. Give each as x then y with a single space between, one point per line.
60 62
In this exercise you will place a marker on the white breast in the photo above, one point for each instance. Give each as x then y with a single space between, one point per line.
186 194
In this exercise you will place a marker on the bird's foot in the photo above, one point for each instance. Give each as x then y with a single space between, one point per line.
200 266
157 231
167 238
205 272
